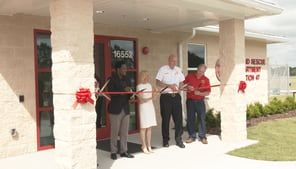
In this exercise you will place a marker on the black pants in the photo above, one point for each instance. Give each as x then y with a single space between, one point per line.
99 109
170 104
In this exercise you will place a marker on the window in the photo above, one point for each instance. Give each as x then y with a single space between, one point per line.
196 56
123 50
44 94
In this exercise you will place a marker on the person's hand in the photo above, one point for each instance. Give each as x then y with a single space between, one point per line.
132 99
190 88
128 89
155 92
174 87
196 92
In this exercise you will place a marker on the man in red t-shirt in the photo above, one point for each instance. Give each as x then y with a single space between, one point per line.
198 87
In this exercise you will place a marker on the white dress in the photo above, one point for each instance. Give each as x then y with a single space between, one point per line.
147 111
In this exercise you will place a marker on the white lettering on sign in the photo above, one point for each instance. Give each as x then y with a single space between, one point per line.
123 54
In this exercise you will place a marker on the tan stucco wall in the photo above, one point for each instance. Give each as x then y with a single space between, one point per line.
257 90
17 77
17 74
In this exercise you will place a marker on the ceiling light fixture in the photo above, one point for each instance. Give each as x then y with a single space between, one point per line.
100 11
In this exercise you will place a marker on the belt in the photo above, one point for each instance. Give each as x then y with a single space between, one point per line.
171 94
197 100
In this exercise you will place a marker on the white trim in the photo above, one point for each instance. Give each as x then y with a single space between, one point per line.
191 69
267 7
249 35
267 38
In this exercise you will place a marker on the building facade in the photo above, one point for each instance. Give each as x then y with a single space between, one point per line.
47 56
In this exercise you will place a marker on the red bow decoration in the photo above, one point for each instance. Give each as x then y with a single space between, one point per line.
242 86
83 96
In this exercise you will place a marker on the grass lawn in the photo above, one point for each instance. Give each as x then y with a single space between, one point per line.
277 141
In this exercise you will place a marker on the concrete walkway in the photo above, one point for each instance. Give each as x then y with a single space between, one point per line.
194 156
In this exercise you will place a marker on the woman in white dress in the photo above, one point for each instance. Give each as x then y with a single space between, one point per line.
147 111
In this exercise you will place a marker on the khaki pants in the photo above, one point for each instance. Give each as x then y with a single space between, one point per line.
119 126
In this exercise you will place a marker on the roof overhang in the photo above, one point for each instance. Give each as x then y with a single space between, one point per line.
156 15
214 30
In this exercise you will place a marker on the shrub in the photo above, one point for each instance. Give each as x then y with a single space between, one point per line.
289 103
267 109
212 119
275 106
254 110
261 109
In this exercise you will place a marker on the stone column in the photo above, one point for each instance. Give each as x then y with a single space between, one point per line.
72 41
232 59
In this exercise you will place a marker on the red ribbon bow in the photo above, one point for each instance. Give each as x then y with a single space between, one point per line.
83 96
242 86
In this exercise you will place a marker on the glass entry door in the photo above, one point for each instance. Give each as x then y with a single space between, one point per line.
107 51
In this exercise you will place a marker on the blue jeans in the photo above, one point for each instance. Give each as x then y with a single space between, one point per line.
196 107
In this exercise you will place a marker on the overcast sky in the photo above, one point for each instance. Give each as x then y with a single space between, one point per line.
280 25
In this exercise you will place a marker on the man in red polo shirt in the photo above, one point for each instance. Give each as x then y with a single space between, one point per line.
198 88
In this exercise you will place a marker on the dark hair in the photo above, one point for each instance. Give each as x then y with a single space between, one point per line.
118 64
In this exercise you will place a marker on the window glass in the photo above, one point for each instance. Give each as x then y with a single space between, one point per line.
99 59
46 128
133 117
45 89
132 76
196 55
123 50
44 50
133 114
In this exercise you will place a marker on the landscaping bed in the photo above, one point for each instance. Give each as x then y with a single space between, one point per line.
255 121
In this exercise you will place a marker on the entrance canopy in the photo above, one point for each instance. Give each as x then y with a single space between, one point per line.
156 15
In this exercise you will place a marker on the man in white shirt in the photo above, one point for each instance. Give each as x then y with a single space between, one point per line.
171 77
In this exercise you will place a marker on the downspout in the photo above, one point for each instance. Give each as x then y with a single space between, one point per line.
180 54
180 47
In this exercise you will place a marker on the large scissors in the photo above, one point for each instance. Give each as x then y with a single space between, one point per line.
100 93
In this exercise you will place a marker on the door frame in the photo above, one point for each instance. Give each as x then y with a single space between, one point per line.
38 108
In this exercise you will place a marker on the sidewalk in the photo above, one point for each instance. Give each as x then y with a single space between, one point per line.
194 156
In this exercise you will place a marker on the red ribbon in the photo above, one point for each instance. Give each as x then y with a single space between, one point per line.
242 86
83 96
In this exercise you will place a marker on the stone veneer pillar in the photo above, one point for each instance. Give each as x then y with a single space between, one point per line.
232 60
72 41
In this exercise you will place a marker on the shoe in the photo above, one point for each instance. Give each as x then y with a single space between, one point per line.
145 150
127 155
204 141
113 156
180 144
165 145
150 150
190 140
